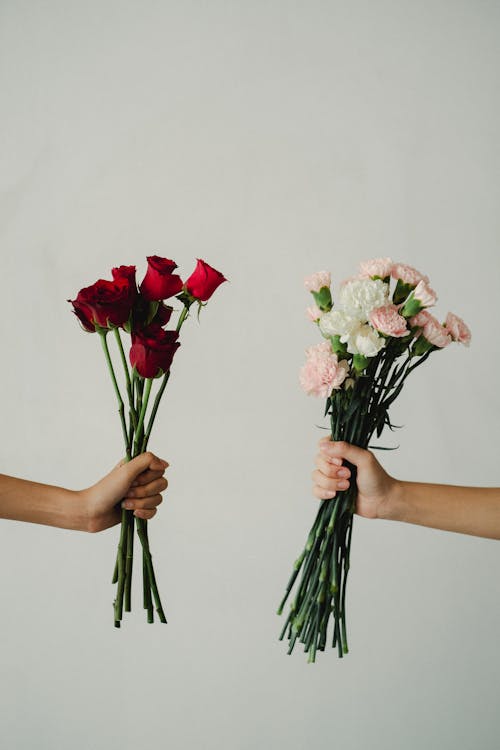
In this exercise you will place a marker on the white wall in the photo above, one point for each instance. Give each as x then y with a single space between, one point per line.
274 139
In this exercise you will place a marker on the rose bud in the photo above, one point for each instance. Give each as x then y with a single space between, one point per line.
160 282
105 303
203 281
153 350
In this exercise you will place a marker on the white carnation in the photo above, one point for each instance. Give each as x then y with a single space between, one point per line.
338 323
360 296
365 340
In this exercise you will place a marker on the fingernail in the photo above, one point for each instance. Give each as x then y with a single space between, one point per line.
127 504
343 485
343 473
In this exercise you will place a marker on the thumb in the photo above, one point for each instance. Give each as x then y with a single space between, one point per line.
340 449
141 463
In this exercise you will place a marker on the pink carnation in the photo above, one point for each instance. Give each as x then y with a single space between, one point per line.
387 320
425 295
318 280
420 319
408 274
322 372
314 313
457 329
380 267
435 333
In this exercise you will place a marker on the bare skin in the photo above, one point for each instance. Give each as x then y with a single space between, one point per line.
467 510
136 485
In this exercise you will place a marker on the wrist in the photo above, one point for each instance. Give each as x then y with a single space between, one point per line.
77 510
392 508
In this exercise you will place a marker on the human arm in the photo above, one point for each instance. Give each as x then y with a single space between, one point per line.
467 510
137 484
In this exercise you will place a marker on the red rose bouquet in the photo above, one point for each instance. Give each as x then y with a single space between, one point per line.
117 307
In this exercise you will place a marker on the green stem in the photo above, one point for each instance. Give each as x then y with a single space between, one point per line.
182 317
124 363
142 415
122 552
129 560
130 388
141 525
121 408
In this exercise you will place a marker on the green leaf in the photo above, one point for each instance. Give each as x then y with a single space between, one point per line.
323 299
328 405
153 309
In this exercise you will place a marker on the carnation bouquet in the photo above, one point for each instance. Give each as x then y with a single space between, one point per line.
119 307
377 333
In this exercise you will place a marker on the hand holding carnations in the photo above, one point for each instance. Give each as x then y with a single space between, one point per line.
376 490
376 333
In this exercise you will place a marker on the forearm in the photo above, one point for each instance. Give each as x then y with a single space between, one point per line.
467 510
21 500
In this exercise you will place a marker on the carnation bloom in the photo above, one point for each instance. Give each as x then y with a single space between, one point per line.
458 330
407 274
338 323
357 277
317 281
381 267
322 372
360 296
424 294
432 330
419 320
314 313
388 321
366 341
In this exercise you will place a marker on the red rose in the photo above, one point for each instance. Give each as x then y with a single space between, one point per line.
160 282
84 315
153 350
163 314
204 281
146 313
126 273
105 303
